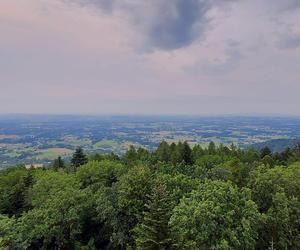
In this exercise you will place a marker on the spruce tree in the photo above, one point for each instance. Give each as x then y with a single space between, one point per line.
58 163
265 151
177 155
187 154
163 152
78 159
211 148
153 233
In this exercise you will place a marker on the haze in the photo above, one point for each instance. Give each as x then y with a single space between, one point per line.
150 57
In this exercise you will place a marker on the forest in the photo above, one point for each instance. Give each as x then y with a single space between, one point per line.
173 197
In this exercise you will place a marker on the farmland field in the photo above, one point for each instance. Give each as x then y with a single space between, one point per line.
40 139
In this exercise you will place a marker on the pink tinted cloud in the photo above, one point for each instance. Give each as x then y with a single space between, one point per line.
53 52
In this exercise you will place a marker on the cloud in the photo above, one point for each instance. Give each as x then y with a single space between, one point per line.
225 63
176 24
106 5
206 56
289 41
163 24
286 5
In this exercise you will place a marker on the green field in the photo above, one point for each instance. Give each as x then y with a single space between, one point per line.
52 153
105 144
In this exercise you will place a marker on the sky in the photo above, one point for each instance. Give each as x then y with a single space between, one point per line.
193 57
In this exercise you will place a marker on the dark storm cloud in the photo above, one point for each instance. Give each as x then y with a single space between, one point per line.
171 24
180 26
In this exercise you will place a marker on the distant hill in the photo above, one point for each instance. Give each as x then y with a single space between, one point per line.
276 145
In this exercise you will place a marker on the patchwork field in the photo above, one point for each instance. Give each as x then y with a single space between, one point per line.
53 153
40 139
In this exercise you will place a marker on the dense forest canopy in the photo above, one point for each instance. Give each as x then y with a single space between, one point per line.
175 197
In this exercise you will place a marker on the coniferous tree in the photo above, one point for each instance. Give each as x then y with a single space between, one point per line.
265 151
58 163
131 155
143 154
153 233
78 159
172 149
163 152
211 148
187 154
28 179
197 152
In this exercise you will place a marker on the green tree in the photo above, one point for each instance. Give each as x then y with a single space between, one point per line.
282 224
96 174
8 236
197 152
187 154
251 155
216 216
130 156
58 163
268 161
177 185
211 148
78 158
276 191
14 186
57 222
143 154
265 182
239 171
265 151
209 161
177 153
122 206
153 232
48 183
163 152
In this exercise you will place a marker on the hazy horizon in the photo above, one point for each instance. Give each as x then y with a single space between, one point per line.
160 57
163 115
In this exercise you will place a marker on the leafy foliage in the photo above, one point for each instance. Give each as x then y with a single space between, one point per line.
216 216
176 197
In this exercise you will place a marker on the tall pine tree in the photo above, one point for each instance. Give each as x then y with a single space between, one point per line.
58 163
153 233
78 159
187 154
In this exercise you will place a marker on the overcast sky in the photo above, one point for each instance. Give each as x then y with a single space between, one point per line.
150 56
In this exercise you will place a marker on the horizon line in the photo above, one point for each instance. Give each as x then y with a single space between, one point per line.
152 114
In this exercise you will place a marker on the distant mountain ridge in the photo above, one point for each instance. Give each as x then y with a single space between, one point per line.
276 145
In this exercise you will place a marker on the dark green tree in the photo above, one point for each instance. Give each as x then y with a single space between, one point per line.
153 233
143 154
78 159
197 152
176 156
276 192
268 160
58 163
163 152
211 148
131 155
187 154
14 185
265 151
